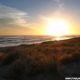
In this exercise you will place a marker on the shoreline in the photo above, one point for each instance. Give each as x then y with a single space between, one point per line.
54 59
11 41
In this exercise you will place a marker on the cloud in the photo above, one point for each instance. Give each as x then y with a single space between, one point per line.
12 17
59 8
60 4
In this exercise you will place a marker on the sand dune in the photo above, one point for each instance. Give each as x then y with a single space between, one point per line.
52 60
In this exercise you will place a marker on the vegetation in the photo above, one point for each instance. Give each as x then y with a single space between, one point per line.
51 60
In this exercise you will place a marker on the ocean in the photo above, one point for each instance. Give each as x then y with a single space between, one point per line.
29 39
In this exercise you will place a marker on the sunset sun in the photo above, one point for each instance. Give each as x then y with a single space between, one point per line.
57 27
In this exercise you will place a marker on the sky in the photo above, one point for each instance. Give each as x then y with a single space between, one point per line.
28 17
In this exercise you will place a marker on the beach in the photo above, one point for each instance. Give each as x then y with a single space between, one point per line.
49 60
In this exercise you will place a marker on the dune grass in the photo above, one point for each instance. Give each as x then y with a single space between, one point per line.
50 60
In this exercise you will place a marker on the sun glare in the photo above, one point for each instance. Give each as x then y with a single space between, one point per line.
57 27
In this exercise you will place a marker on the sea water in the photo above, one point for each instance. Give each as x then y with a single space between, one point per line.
28 39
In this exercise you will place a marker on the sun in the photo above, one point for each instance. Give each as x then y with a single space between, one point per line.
57 27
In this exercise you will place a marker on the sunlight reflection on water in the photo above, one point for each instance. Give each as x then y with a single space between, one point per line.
58 38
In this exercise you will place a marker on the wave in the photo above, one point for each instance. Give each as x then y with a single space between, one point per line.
18 40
